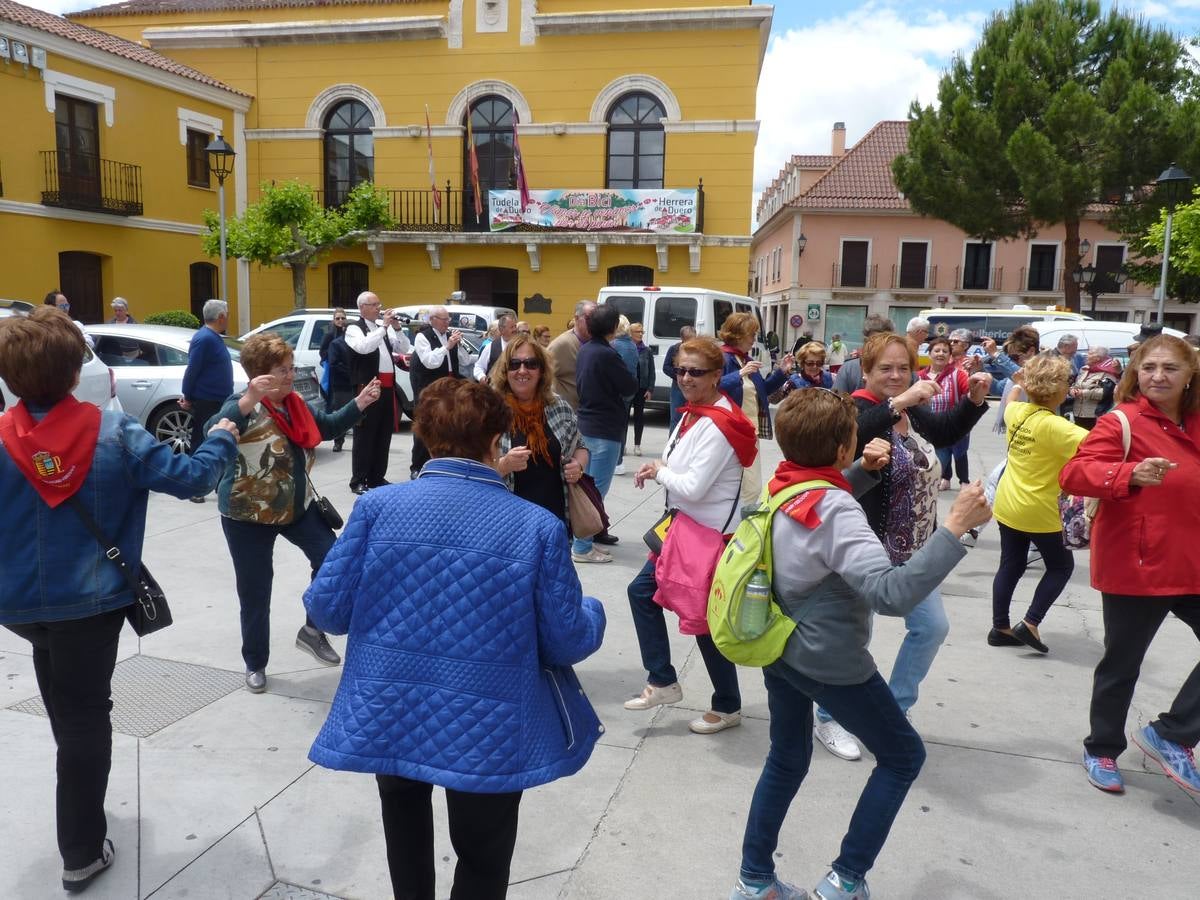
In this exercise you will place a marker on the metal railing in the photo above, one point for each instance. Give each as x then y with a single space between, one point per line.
913 278
972 280
866 277
1041 279
81 181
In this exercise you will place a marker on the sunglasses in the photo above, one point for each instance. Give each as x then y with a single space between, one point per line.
692 373
339 318
533 365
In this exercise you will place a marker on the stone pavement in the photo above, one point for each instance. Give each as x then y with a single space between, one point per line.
211 794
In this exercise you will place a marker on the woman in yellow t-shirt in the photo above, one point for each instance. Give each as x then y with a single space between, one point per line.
1040 442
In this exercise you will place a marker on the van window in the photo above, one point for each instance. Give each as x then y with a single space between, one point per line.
722 310
632 308
672 313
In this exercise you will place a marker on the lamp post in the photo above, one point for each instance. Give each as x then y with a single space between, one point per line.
220 163
1095 283
1174 181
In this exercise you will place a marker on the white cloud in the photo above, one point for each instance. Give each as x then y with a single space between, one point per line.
60 7
859 68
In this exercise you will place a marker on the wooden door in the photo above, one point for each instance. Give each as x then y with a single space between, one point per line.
79 278
77 140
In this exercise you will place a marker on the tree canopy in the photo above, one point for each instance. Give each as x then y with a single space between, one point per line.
289 227
1061 111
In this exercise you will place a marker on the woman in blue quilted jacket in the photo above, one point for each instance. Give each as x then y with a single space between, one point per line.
462 632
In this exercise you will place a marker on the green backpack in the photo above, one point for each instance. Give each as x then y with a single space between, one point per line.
748 549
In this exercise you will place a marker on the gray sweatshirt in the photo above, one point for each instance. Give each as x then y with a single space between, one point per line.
831 578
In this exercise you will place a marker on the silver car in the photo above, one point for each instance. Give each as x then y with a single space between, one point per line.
149 361
96 382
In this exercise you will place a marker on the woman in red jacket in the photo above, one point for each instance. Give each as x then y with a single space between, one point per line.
1143 557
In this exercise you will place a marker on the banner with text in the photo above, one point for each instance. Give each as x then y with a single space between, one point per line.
675 211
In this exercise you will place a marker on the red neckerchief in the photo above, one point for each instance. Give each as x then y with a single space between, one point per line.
55 454
734 351
1108 366
741 433
819 381
864 394
803 506
299 427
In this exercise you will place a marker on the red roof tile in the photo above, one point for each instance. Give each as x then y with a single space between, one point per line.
862 179
156 7
813 161
60 27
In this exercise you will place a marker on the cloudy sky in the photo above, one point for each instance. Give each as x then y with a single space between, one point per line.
857 62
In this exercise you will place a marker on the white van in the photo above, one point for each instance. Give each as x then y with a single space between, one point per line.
1116 336
996 324
665 310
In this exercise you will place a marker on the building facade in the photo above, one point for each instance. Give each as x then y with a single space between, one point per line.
836 241
654 100
103 179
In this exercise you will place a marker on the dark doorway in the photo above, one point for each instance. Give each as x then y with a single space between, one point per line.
630 276
79 278
346 281
489 286
202 286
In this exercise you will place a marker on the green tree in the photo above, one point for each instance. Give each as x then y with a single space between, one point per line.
1060 111
288 227
1183 275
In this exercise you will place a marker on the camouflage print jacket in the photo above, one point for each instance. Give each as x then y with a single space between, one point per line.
267 482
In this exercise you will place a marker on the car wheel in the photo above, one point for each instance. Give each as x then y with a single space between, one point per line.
172 425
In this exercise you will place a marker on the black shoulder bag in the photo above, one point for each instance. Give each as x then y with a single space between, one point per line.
149 612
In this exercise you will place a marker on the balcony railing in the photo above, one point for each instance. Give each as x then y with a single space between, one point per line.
855 276
978 279
414 210
81 181
1041 279
913 278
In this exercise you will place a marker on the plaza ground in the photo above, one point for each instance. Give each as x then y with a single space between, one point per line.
212 796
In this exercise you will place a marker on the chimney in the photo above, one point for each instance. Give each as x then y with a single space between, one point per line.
838 147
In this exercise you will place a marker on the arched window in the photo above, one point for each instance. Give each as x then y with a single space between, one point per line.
346 281
492 130
349 149
636 142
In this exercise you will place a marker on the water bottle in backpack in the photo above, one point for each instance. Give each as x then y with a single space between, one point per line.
756 605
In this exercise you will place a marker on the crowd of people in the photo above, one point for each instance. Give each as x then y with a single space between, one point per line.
458 589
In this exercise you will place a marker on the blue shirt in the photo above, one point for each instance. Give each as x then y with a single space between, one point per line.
209 374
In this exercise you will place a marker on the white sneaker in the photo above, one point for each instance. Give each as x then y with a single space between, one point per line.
837 740
592 556
637 450
718 722
652 696
620 469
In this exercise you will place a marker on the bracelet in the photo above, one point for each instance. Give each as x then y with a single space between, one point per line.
892 409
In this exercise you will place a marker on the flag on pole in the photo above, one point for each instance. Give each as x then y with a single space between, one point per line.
519 162
437 195
473 164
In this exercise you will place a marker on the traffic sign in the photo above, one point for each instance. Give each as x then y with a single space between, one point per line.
796 321
814 312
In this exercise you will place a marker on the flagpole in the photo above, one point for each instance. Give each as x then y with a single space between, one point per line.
437 197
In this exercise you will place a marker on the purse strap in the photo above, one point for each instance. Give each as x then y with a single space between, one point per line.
113 552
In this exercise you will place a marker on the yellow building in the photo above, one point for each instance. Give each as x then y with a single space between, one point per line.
103 178
657 97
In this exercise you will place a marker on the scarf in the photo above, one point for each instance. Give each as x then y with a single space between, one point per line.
864 394
819 381
1108 366
55 454
733 351
803 506
732 423
298 426
529 419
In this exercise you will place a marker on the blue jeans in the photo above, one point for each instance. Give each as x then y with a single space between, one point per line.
870 711
251 545
651 625
602 460
927 627
957 452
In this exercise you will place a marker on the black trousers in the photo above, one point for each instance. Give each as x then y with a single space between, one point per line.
74 662
373 440
1130 624
1014 560
202 411
483 830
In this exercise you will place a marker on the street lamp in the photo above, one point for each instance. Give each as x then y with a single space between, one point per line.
1174 182
1095 283
220 163
801 243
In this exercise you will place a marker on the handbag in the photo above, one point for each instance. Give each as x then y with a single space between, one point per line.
683 571
328 511
149 612
1077 513
582 513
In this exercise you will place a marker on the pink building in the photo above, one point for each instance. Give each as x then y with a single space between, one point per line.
836 240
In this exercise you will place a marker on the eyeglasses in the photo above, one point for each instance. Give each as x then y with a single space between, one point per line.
533 365
339 318
692 373
811 362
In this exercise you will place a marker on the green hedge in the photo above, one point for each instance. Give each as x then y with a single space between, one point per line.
178 317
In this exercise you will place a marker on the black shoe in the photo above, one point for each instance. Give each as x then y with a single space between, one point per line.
197 499
76 880
605 538
997 638
337 446
357 488
1025 636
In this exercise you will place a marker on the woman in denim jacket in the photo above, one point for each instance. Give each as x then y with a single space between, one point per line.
57 588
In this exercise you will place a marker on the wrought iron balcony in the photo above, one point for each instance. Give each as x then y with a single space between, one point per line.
914 278
855 276
82 181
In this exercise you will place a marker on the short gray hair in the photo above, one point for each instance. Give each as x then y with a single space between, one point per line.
877 324
961 334
1067 339
687 332
120 301
363 298
916 323
214 309
505 317
583 305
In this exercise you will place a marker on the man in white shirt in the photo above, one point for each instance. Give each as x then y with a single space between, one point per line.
436 354
373 344
507 327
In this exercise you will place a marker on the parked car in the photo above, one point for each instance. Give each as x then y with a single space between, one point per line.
1116 336
304 330
148 362
96 382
